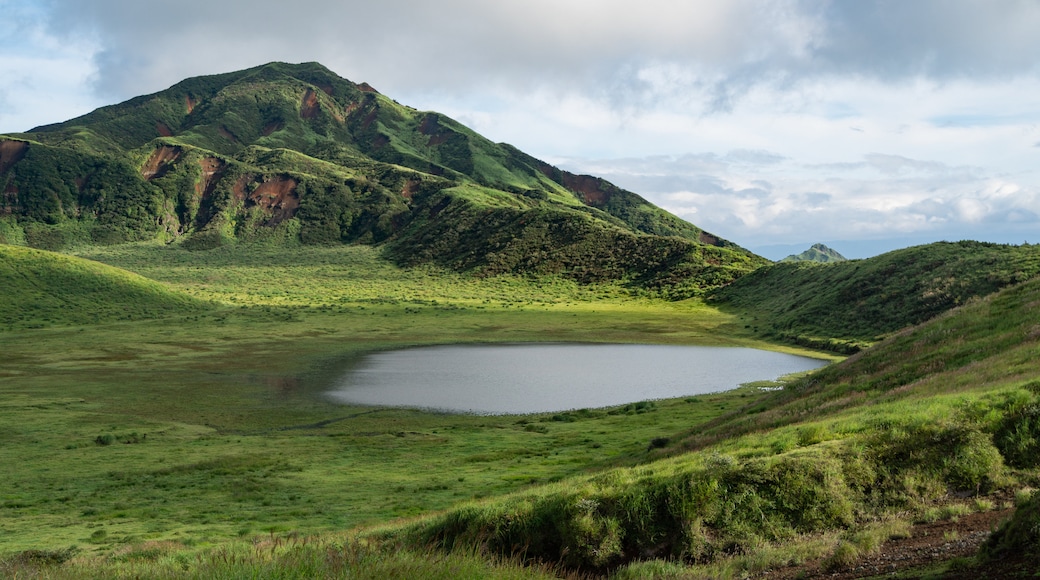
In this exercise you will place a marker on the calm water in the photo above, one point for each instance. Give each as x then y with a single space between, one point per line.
530 378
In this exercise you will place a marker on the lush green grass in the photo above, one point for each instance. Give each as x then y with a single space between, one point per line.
847 305
175 436
42 288
945 409
204 426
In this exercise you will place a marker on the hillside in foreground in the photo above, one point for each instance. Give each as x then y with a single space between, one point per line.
296 152
946 410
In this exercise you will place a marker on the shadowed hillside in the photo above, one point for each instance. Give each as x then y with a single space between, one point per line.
846 305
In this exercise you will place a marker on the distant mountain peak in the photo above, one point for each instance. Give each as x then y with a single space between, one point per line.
817 253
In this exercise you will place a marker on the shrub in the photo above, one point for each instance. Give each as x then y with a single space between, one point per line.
1019 536
1018 437
922 461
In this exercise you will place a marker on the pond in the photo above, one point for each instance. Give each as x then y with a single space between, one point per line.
543 377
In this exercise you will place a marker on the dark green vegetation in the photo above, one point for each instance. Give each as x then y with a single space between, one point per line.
847 305
293 152
817 253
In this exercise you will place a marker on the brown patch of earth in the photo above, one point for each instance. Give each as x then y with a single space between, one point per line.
12 152
590 188
190 103
160 162
327 89
272 127
212 170
706 238
276 195
309 107
410 187
227 134
369 118
431 126
929 544
367 88
163 129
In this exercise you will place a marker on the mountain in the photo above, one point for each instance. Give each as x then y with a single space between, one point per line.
817 253
843 306
295 151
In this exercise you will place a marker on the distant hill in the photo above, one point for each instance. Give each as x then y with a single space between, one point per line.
817 253
844 305
45 287
296 151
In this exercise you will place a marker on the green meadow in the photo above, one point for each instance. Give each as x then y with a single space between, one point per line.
187 435
209 423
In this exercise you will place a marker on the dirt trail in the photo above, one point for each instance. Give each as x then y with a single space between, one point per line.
927 545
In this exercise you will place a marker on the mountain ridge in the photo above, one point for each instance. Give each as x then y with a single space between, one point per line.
298 150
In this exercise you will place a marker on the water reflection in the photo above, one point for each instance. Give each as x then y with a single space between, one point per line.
530 378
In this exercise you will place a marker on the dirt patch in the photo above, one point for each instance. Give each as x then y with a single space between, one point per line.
276 195
12 152
190 103
212 170
367 88
380 141
928 544
9 199
429 125
410 187
227 134
590 188
309 107
369 118
327 89
160 162
272 127
706 238
163 129
432 127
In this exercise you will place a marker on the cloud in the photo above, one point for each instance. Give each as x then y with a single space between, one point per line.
608 49
765 121
775 203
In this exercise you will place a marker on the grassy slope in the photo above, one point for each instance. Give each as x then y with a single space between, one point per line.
214 423
221 412
945 408
44 288
850 304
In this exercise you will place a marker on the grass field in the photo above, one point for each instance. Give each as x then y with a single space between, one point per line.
197 443
211 425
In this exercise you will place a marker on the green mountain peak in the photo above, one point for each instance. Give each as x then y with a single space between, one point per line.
295 151
817 253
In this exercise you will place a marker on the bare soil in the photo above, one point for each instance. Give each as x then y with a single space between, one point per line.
11 152
928 545
160 162
309 107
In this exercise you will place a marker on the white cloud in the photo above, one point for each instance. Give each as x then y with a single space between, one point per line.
767 121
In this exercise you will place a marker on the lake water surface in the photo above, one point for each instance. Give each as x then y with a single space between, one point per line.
532 378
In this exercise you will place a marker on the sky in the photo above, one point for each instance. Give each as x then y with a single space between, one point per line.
865 125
